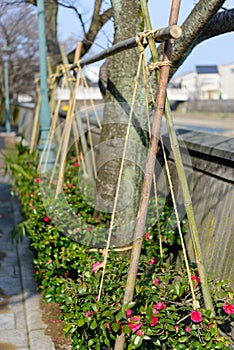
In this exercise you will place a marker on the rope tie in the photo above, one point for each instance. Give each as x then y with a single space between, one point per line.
143 36
157 65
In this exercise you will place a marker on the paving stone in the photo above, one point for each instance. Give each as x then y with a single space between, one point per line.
38 341
7 321
18 338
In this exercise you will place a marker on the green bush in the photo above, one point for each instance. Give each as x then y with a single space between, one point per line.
69 273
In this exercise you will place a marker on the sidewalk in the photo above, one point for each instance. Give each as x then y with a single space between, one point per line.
21 326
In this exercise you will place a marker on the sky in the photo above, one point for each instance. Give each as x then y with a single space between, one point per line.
218 50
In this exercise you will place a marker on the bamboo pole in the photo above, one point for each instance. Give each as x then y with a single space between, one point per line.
149 171
36 124
181 175
84 145
161 34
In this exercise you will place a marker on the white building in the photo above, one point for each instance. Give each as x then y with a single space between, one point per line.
204 83
226 72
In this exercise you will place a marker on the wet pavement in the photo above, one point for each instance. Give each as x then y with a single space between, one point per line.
21 326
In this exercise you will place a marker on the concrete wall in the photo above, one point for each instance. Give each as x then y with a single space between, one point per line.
211 178
225 106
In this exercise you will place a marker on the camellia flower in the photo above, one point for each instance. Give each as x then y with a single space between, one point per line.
135 323
152 261
196 280
37 180
140 333
155 281
229 309
88 313
46 219
159 306
96 266
154 321
196 316
128 312
107 326
147 236
187 329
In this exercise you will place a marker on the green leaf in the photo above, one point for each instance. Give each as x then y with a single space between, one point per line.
138 341
93 324
182 339
80 322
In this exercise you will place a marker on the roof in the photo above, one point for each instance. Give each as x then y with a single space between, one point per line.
212 69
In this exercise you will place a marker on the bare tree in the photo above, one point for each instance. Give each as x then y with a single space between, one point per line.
18 31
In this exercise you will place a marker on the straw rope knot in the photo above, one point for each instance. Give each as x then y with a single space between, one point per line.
157 65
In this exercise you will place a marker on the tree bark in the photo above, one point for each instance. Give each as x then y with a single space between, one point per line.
117 81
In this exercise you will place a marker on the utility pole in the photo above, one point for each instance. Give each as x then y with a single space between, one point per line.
45 118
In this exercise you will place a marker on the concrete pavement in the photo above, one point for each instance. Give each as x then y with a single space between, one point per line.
21 326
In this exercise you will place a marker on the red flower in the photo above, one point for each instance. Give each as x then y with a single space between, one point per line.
75 164
152 261
128 312
147 236
176 328
140 333
135 323
196 316
37 180
160 305
229 309
155 281
196 280
46 219
154 321
96 266
88 313
107 326
187 329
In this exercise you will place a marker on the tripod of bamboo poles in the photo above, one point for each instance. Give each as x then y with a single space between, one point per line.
73 124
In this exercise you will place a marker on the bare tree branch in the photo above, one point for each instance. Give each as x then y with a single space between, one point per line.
76 11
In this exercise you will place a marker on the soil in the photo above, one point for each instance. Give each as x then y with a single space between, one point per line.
51 315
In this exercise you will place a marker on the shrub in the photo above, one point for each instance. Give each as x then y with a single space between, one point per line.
69 273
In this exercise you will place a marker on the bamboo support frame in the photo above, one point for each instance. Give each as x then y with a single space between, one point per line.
181 175
161 34
150 164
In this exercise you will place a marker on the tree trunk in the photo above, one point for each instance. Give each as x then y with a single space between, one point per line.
51 11
117 81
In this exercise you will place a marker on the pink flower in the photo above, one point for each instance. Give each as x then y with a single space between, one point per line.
160 305
196 316
107 326
96 297
155 281
37 180
196 280
152 261
187 329
176 328
135 323
140 333
155 311
154 321
229 309
46 219
96 266
147 236
128 312
88 313
89 228
75 164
